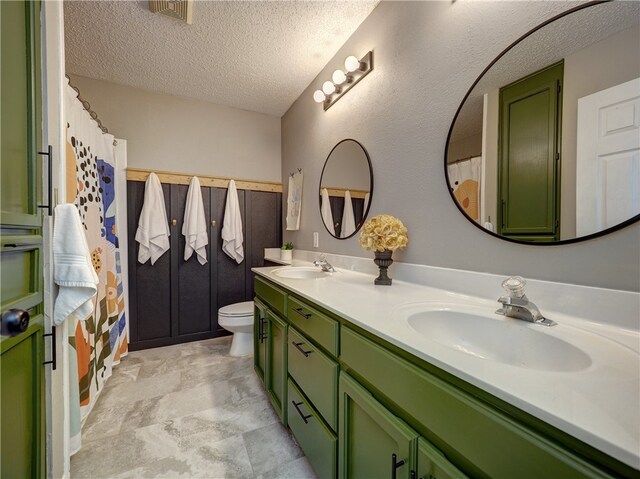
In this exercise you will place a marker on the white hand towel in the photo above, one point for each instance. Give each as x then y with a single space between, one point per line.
153 230
325 210
348 218
232 226
194 225
488 226
366 204
73 270
294 201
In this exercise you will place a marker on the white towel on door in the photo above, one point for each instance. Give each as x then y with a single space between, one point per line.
72 267
232 226
194 224
294 201
153 230
348 218
365 205
325 211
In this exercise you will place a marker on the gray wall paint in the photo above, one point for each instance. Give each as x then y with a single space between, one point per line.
170 133
427 54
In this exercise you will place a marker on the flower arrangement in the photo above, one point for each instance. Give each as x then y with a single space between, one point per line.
287 246
383 233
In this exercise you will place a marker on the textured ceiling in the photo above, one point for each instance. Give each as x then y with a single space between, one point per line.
254 55
545 47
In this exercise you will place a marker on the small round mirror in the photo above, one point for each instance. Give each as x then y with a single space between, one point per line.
346 186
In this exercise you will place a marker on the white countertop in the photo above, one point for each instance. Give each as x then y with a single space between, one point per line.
599 405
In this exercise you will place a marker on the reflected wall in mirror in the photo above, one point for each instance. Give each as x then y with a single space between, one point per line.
346 186
545 147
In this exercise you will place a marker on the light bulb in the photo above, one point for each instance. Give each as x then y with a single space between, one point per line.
351 63
318 96
338 77
328 87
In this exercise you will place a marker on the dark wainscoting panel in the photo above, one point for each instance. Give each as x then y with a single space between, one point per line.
176 301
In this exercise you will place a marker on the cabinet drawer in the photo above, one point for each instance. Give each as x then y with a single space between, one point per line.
275 297
476 437
316 374
316 440
319 327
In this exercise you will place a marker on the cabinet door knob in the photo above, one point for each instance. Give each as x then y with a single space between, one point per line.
213 222
174 222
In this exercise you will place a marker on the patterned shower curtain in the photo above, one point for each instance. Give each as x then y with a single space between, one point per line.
99 341
464 177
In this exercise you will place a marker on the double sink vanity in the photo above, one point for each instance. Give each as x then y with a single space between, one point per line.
417 381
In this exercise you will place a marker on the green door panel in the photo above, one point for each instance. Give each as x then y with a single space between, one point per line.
369 435
474 436
259 339
21 278
316 374
530 111
316 440
21 403
317 326
271 295
19 117
277 363
433 465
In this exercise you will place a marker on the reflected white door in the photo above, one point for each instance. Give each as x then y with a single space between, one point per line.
608 158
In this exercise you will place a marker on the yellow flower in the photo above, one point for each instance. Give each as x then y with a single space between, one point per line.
383 232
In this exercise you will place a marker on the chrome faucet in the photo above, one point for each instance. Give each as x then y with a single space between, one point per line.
324 264
517 305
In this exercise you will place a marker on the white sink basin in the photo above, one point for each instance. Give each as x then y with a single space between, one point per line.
489 336
300 272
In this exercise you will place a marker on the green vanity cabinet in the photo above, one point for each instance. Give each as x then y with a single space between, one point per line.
318 442
433 465
259 339
353 401
270 355
276 383
373 442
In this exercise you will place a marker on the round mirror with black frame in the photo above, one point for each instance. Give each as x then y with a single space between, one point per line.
545 146
346 188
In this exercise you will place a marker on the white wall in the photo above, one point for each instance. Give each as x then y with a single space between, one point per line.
427 54
170 133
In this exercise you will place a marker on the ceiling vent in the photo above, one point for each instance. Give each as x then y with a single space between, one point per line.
180 9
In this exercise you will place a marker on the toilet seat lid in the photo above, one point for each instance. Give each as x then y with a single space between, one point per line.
237 309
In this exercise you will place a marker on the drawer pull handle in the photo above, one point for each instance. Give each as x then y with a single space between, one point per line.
395 465
304 418
300 312
297 345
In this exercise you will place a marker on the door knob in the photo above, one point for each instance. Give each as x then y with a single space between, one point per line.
14 321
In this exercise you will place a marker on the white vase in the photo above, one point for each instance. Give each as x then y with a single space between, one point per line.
286 255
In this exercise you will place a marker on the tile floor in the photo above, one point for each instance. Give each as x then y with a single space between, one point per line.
185 411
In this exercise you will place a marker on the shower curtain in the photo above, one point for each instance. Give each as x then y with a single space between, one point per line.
464 178
99 341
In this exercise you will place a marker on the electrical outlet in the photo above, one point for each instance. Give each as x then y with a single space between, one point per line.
315 239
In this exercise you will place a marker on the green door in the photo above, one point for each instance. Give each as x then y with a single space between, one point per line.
530 118
260 339
276 382
371 439
21 277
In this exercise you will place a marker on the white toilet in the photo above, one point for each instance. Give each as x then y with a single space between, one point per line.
238 318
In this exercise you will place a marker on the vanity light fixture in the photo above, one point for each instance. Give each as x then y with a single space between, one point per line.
342 82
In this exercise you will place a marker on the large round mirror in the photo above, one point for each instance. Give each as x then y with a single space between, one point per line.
346 186
545 147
